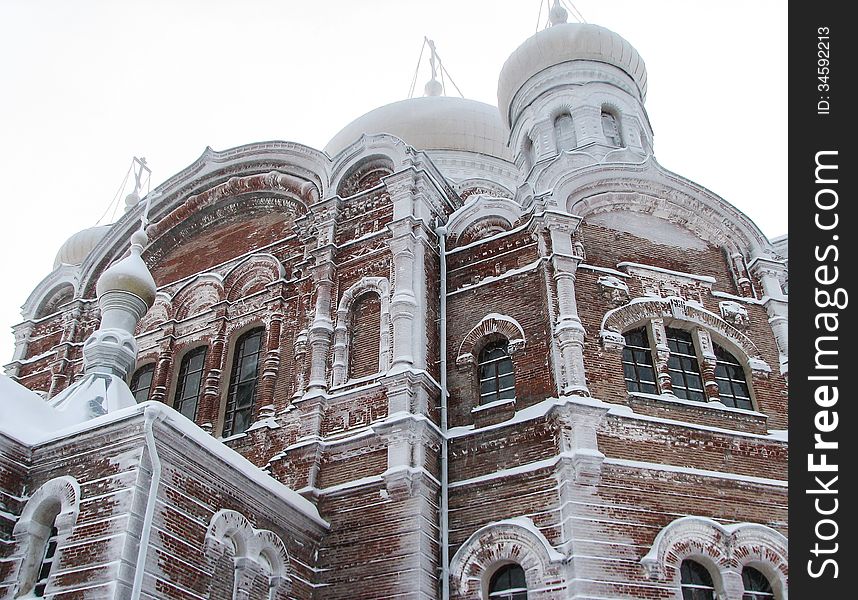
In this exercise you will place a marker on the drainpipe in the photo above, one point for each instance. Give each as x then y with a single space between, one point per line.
151 414
444 503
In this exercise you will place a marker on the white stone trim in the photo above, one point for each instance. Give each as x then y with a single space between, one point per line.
675 309
59 278
33 528
479 207
342 332
492 323
253 548
503 542
723 549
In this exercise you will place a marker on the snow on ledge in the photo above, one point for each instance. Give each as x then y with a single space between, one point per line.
33 422
634 265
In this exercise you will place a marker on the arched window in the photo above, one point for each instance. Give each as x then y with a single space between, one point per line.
683 366
242 383
366 325
696 581
190 382
141 382
757 586
732 386
497 377
610 128
637 362
529 153
508 583
39 560
564 132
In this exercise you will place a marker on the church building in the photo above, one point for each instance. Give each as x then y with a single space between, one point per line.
463 351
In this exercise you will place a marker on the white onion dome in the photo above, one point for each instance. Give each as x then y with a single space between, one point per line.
432 123
75 249
130 274
565 42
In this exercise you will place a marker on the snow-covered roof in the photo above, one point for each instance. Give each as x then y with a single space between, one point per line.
27 418
432 123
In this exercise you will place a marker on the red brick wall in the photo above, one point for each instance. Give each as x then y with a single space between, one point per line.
365 332
219 243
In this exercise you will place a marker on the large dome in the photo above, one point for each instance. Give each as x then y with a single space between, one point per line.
563 43
432 123
75 249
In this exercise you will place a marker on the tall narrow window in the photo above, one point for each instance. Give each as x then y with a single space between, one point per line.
564 131
47 564
190 382
683 367
730 376
366 329
508 584
141 382
242 383
497 377
529 153
696 581
757 586
637 363
611 129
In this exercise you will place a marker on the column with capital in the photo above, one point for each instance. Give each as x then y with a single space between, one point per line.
769 273
555 230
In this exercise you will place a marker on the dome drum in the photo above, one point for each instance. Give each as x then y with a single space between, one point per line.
598 53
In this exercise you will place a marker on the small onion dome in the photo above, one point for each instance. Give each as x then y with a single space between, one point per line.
565 42
75 249
130 274
432 123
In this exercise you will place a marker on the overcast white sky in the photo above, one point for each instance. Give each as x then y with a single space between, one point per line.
85 85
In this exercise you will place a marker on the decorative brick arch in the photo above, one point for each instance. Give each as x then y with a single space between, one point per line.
300 193
483 228
250 544
46 293
498 544
267 544
365 173
55 504
640 310
198 296
160 313
765 549
492 325
252 275
723 549
481 209
229 524
342 335
65 490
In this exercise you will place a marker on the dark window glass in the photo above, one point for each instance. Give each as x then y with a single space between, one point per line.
696 581
637 363
508 584
190 382
47 564
730 376
141 382
242 383
497 379
757 586
683 367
